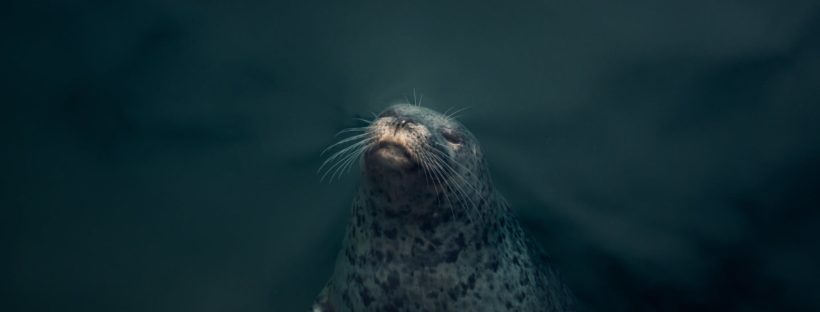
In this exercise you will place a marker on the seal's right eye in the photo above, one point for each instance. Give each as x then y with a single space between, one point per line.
451 136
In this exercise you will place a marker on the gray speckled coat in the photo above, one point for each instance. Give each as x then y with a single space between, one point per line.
411 245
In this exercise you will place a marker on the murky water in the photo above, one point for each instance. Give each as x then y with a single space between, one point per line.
163 156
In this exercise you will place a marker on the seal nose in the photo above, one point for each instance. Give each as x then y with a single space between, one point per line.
402 123
400 118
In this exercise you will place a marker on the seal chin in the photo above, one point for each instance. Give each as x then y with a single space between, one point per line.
390 155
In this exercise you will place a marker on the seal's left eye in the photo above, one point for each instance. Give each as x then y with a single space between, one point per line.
451 136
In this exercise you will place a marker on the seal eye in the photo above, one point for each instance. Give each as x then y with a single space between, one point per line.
452 137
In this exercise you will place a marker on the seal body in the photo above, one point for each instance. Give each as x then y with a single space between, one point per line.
428 232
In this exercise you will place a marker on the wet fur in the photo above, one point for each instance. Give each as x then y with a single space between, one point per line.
427 230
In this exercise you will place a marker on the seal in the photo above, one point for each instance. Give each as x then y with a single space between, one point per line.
427 229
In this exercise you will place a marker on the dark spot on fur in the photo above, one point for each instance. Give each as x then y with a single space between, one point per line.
350 257
391 233
428 227
452 255
493 265
366 297
377 255
392 281
346 299
460 240
453 294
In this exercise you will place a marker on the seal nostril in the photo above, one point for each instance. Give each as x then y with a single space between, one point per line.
402 122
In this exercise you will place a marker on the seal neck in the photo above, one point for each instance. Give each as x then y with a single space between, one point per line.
422 210
376 234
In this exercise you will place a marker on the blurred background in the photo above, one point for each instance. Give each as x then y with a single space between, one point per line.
161 156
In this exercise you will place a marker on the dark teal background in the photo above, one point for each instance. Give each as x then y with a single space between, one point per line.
161 156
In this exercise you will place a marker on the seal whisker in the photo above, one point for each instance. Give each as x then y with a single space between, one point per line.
456 189
348 139
350 150
339 153
452 115
428 175
464 198
367 121
342 164
347 163
436 171
423 162
353 129
339 166
454 171
462 187
357 154
453 161
459 186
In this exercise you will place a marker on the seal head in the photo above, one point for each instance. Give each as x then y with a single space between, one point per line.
419 154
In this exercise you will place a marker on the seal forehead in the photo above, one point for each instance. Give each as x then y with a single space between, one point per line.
421 114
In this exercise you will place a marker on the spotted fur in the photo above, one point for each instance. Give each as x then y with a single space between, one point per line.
417 243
